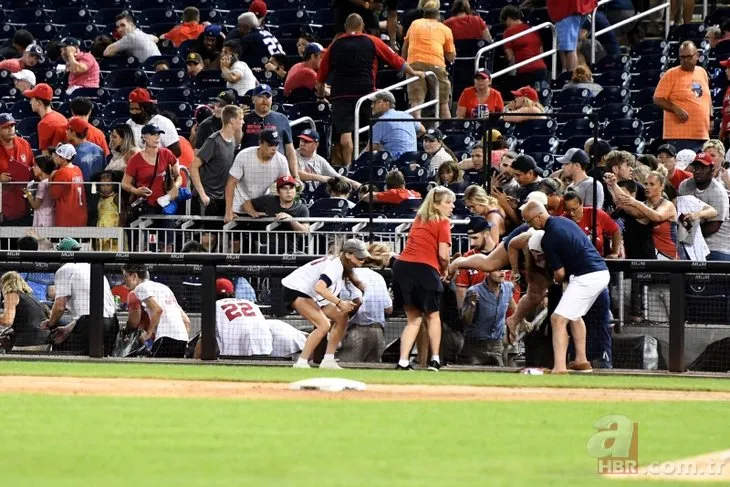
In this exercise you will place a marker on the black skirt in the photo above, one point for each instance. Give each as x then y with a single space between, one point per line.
417 285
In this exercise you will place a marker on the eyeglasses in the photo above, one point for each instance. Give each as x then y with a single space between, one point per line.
687 56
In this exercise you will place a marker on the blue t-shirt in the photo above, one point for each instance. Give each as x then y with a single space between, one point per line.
566 246
396 137
491 311
607 40
517 231
258 46
254 124
90 159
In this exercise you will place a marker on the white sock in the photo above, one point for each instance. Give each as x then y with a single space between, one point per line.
403 363
436 358
328 357
301 360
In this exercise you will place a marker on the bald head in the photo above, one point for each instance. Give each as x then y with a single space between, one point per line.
354 23
532 211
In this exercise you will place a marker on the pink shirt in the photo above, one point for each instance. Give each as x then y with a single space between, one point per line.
44 215
88 79
12 65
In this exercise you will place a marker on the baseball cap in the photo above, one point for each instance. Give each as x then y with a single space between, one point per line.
535 241
668 148
226 98
68 244
703 158
140 95
536 196
66 151
284 180
311 49
685 158
357 248
527 92
433 134
36 50
599 148
575 155
269 136
309 135
194 57
483 73
6 119
262 89
385 95
224 286
25 75
258 7
524 163
477 224
69 41
41 91
78 125
213 30
152 129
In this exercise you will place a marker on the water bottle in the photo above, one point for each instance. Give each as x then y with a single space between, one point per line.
482 111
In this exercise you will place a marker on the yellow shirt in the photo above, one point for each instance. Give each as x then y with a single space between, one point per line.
691 92
428 40
108 212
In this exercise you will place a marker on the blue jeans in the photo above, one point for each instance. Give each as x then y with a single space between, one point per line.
681 144
599 341
715 255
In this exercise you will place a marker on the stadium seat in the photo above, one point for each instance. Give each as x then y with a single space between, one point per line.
329 208
611 94
628 143
21 110
613 111
534 127
155 16
684 32
649 62
406 209
174 94
643 97
181 110
412 157
115 109
650 46
538 143
80 30
467 48
362 175
117 63
561 80
612 63
159 29
28 125
288 16
69 15
315 110
176 62
121 94
42 31
172 78
28 15
290 31
574 142
571 96
208 79
576 127
623 127
124 78
613 78
141 5
459 142
544 160
380 159
650 113
105 16
567 113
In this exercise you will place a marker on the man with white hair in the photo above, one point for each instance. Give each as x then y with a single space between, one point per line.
257 43
23 80
572 258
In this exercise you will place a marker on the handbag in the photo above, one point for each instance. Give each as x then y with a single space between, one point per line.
139 207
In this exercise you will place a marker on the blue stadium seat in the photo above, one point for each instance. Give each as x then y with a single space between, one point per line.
614 111
21 110
362 175
649 77
208 79
80 30
534 127
467 48
623 127
176 62
412 157
380 159
566 113
115 109
174 94
105 16
141 5
156 16
561 80
571 96
160 28
122 94
285 4
538 143
318 111
684 32
69 15
201 4
456 125
181 110
459 141
64 109
172 78
28 15
329 208
643 97
544 160
612 63
576 127
28 125
289 31
613 78
650 113
116 63
649 62
611 94
288 16
8 93
650 46
574 142
406 209
123 78
231 18
42 31
628 143
538 16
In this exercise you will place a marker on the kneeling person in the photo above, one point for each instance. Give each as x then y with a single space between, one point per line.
240 327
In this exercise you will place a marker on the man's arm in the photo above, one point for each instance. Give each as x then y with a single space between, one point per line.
291 159
73 66
175 149
155 313
197 182
250 210
230 190
59 307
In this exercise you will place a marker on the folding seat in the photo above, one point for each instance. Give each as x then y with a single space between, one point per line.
412 157
468 48
290 31
684 32
569 112
611 94
612 63
546 96
156 16
27 125
491 17
8 93
643 97
576 127
329 208
174 94
115 109
406 209
538 143
649 62
119 63
650 113
105 16
534 127
122 94
561 80
380 160
653 131
142 5
315 110
64 109
649 77
544 160
575 142
123 78
69 15
172 78
362 175
182 110
80 30
233 4
288 16
28 15
721 51
614 111
284 4
623 127
176 62
42 31
231 18
570 96
201 4
456 125
7 31
459 141
208 79
628 143
650 46
613 78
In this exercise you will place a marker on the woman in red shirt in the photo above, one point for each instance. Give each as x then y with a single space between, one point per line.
418 271
465 24
479 100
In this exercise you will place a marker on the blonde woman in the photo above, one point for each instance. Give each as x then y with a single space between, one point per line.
23 312
418 271
526 101
640 173
716 149
480 203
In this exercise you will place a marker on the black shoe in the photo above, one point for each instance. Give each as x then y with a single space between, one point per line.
400 367
434 366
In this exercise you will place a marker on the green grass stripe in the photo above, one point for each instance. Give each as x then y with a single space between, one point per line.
286 374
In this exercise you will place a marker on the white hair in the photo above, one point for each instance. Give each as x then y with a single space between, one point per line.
249 20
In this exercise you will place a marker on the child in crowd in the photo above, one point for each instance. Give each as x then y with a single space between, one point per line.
42 203
108 209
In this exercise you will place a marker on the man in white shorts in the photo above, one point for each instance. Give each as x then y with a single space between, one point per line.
572 257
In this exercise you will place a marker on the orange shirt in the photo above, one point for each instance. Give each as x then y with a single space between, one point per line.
691 92
51 130
184 32
469 100
428 40
70 198
96 136
187 154
422 246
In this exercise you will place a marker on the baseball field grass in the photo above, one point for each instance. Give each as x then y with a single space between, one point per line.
85 440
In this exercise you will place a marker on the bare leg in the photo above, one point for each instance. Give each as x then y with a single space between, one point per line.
495 261
410 332
578 332
422 345
563 60
346 148
309 310
688 11
559 326
571 61
444 109
433 321
338 331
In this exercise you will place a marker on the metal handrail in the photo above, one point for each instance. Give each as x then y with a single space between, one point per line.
594 34
358 130
302 120
704 9
552 52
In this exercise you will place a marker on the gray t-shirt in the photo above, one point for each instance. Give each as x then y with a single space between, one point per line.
715 196
217 155
271 205
255 177
315 165
139 44
585 191
207 128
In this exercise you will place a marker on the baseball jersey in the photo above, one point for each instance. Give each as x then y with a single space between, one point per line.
73 281
171 321
327 269
241 329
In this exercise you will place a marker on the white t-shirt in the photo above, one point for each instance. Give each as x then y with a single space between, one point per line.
241 329
167 139
138 44
375 301
303 279
315 165
171 321
247 81
255 178
73 281
437 159
285 339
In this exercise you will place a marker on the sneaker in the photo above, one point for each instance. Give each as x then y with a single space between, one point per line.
580 367
300 365
434 366
329 364
400 367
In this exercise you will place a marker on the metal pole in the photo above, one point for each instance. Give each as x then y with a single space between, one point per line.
371 178
594 163
96 311
676 322
207 314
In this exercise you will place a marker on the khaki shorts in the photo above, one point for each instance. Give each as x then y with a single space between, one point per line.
417 91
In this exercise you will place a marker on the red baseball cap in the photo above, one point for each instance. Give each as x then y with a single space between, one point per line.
223 285
78 125
703 158
725 63
527 92
41 91
140 95
258 7
284 180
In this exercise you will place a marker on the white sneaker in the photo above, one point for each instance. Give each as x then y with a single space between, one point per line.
329 364
301 365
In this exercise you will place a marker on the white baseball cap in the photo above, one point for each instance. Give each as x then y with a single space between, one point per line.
66 151
535 242
536 196
685 158
25 75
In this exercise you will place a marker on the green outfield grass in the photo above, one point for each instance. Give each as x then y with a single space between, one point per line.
60 441
287 374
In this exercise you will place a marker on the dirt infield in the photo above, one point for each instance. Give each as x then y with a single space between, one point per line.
266 390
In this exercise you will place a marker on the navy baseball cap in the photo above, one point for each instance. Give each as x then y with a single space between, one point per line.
6 119
577 156
524 163
668 148
213 30
262 89
70 41
269 136
312 49
309 135
477 224
600 148
152 129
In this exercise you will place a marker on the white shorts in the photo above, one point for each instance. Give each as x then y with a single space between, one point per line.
581 293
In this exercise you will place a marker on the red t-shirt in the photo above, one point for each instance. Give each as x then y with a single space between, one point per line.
70 198
423 242
524 48
469 277
300 76
90 77
725 114
605 226
466 27
14 161
96 136
143 173
679 176
12 65
468 100
396 196
51 130
560 9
